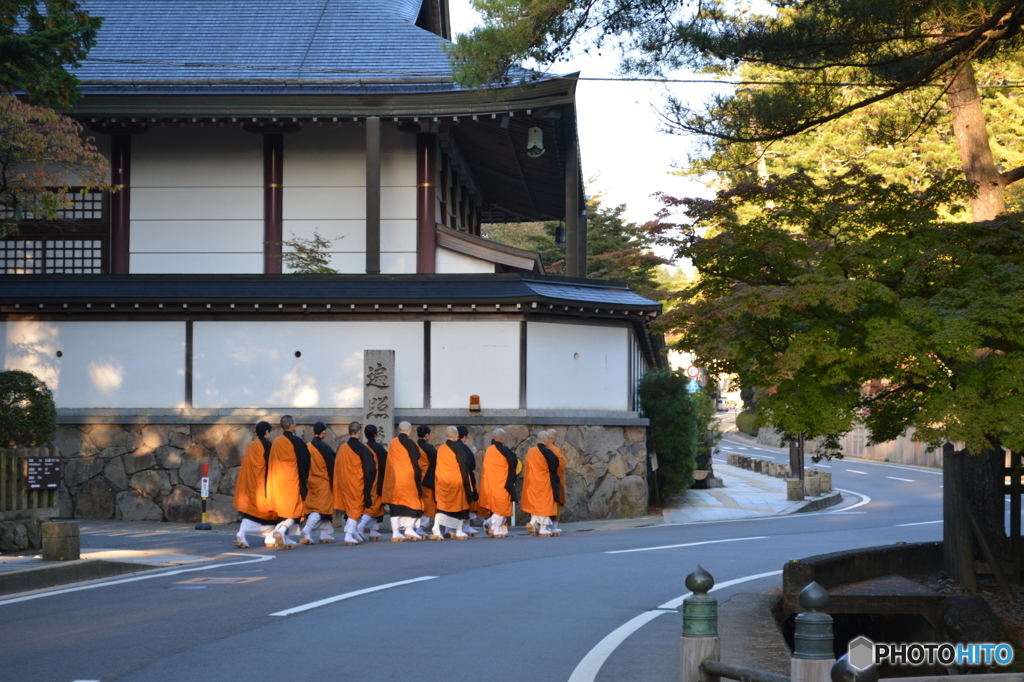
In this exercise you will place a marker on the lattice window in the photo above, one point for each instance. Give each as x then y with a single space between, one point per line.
51 256
87 206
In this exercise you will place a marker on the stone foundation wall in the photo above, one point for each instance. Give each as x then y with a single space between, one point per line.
152 472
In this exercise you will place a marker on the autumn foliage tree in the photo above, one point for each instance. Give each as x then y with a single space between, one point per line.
41 150
853 301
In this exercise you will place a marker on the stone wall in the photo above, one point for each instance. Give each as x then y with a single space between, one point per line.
152 472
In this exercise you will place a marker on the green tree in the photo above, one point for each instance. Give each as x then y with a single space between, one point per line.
309 256
39 40
28 416
680 422
39 148
852 301
616 250
889 47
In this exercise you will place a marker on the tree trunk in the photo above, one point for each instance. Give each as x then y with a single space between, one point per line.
983 482
971 133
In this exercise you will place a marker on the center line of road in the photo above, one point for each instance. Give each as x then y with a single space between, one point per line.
590 666
349 595
919 523
908 480
687 544
854 471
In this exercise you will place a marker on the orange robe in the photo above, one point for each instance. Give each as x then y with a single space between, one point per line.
402 486
561 475
251 486
450 481
471 463
353 479
380 456
286 474
427 472
319 498
494 496
538 491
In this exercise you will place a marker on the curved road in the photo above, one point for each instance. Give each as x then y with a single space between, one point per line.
586 606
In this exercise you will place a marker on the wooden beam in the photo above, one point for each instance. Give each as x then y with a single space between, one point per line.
120 203
372 195
573 267
426 203
273 206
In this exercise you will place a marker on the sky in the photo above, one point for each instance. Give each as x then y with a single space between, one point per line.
620 142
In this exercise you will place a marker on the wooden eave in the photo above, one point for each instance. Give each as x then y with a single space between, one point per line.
485 249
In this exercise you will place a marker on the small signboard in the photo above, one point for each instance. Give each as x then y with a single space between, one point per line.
205 492
42 473
693 386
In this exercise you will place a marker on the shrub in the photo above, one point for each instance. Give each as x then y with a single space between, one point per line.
28 416
746 422
679 421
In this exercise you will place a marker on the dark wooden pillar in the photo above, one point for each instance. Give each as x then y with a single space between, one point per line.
273 207
120 202
426 203
372 195
573 267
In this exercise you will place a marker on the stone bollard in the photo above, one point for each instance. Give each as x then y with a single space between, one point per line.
826 481
700 627
60 541
813 657
813 486
730 459
794 489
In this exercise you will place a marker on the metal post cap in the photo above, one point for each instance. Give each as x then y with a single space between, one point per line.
814 597
700 581
843 671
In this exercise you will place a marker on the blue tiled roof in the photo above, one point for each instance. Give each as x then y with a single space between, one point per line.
360 289
241 45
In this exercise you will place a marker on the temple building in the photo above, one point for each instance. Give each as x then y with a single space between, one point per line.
163 317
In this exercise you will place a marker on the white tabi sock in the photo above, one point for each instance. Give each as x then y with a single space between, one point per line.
311 523
326 529
396 526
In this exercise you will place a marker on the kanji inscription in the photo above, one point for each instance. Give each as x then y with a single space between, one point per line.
379 392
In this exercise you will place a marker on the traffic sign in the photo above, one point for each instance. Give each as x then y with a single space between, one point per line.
693 371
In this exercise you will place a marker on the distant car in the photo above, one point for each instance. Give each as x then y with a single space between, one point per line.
722 404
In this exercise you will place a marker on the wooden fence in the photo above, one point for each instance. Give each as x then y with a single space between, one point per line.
15 501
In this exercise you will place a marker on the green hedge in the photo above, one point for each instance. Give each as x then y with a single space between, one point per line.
745 422
28 416
679 420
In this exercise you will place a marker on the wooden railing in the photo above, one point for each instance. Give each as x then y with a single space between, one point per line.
15 501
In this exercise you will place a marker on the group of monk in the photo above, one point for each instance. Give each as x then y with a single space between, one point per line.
288 486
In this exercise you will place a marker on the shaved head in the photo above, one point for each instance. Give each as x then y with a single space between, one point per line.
451 433
498 435
544 437
405 427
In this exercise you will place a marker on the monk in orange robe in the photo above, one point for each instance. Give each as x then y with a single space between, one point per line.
287 476
380 459
452 489
403 485
498 485
471 463
258 517
428 463
555 529
319 502
541 486
355 471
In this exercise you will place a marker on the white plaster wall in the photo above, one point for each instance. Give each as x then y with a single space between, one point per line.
325 190
197 201
474 358
104 364
576 367
448 261
253 364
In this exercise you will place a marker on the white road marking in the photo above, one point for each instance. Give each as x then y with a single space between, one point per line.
919 470
864 499
845 512
919 523
824 466
907 480
688 544
105 582
591 664
349 595
854 471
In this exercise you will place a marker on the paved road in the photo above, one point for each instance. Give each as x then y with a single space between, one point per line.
519 609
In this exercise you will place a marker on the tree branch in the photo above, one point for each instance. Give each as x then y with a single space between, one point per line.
1011 176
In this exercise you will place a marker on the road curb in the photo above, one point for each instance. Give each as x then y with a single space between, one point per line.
41 577
817 503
